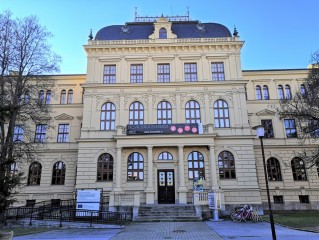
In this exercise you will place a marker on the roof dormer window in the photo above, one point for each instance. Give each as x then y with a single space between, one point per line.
162 33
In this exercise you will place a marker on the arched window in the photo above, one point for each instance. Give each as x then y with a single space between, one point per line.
135 167
226 164
165 156
26 97
58 173
136 113
162 33
298 169
266 92
70 96
41 97
288 92
273 169
48 97
302 90
107 116
258 93
196 168
192 112
281 92
63 97
221 114
164 113
105 167
34 177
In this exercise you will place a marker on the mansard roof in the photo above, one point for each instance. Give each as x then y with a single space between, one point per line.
142 30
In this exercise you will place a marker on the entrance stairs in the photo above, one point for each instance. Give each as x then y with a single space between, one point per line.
167 213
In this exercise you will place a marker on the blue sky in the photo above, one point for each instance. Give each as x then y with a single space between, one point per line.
277 33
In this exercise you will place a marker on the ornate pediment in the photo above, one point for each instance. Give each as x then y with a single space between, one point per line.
63 116
266 113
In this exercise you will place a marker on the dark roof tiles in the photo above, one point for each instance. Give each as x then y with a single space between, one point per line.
144 30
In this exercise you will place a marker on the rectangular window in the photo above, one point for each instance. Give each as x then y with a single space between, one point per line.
278 200
40 133
218 71
18 133
136 73
109 74
190 72
303 198
290 126
268 128
163 73
63 133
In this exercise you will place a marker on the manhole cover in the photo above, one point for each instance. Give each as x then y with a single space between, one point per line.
179 231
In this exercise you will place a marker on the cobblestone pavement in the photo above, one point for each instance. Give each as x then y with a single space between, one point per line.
167 230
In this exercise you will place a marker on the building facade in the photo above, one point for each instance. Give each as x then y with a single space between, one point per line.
164 104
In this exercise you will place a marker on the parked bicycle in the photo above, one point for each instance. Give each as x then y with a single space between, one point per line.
245 213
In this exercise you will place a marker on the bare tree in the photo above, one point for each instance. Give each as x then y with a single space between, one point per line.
25 92
304 108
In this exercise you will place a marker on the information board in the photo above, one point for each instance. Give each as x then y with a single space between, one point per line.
88 199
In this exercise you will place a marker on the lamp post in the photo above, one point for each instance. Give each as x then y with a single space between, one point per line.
260 134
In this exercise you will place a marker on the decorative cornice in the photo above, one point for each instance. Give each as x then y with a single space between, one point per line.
63 116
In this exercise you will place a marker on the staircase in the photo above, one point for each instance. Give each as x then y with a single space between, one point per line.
167 213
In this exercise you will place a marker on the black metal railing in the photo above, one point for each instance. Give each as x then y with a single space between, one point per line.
65 215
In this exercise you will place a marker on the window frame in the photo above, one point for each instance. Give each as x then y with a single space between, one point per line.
108 124
290 131
192 112
190 72
281 94
34 175
109 74
164 113
63 136
137 167
273 169
194 163
266 92
63 96
162 33
18 133
258 92
218 71
105 167
136 73
58 173
288 94
298 170
165 156
70 97
40 133
136 113
221 114
163 72
48 97
226 172
268 128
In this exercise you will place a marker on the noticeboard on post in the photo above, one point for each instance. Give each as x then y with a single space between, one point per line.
214 200
87 199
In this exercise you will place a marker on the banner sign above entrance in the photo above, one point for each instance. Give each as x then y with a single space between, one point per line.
179 128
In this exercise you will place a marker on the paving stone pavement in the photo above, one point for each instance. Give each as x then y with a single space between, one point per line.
167 230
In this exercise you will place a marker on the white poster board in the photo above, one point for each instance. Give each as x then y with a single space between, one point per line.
88 199
214 200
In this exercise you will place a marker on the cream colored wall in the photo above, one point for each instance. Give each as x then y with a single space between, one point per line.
280 147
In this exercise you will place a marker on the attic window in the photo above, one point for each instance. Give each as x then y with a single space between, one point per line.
125 29
162 33
200 27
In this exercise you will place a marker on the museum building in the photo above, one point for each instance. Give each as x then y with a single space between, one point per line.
165 104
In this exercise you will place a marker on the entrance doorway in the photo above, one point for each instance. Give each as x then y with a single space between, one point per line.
166 186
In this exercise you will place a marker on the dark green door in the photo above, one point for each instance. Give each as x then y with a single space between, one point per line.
166 186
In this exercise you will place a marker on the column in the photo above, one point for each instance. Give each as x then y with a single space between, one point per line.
213 171
118 170
182 190
149 189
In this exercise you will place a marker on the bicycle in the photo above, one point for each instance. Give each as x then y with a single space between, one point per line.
243 213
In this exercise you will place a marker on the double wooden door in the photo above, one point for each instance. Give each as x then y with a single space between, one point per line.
166 186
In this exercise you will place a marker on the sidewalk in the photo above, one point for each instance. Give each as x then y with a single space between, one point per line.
177 230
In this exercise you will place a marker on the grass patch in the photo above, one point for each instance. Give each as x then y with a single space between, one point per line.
19 231
306 220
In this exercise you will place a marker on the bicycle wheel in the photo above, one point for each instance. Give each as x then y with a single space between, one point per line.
236 216
253 217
